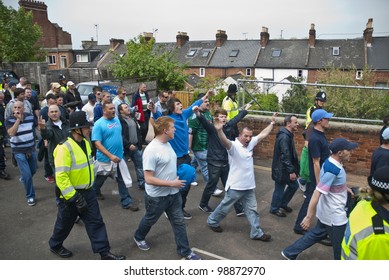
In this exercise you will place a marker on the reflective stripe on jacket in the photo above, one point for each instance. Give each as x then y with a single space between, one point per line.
363 241
73 168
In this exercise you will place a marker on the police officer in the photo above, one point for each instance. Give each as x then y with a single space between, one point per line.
367 232
320 100
74 172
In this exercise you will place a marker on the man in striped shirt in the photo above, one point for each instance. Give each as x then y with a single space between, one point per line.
20 127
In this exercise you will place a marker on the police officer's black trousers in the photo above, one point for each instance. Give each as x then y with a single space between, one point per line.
92 219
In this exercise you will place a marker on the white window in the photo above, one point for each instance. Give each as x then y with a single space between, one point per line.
358 75
335 51
248 71
82 58
50 59
64 61
202 72
191 52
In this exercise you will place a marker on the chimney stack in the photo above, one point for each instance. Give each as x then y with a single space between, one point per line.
312 36
368 33
88 44
114 42
221 37
264 37
181 39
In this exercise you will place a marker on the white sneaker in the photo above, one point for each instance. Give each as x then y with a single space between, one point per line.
193 184
217 192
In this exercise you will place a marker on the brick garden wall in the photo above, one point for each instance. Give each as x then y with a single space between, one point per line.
367 136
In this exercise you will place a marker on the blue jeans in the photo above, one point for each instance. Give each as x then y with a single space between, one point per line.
313 236
282 196
125 198
93 221
201 158
250 208
136 158
216 172
171 204
304 207
27 165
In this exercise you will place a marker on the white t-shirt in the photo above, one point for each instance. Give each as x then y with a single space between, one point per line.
162 160
241 175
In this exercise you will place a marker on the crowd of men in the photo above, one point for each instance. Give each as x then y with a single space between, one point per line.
84 144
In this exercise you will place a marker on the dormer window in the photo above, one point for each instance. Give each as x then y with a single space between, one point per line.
276 53
335 51
234 53
191 52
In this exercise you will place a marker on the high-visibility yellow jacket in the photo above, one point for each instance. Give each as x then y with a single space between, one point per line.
73 168
231 107
362 240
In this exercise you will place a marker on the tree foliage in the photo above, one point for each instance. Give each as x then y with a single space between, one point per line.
144 61
296 99
18 36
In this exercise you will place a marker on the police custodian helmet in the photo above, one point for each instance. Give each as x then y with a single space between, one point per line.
78 119
321 96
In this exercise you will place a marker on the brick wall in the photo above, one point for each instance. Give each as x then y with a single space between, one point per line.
367 136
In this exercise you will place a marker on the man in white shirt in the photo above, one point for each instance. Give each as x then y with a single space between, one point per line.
89 107
238 187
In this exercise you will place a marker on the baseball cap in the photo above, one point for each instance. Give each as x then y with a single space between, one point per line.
385 134
70 83
91 96
379 181
55 85
319 114
340 144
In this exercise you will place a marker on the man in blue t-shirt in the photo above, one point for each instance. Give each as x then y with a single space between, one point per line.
106 135
318 152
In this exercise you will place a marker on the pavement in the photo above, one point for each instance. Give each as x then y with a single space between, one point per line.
25 231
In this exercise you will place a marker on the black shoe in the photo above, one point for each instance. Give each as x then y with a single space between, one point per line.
100 196
110 256
265 237
216 229
132 207
326 242
300 231
279 213
187 216
4 175
287 209
62 252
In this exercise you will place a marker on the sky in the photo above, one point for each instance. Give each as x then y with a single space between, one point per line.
244 19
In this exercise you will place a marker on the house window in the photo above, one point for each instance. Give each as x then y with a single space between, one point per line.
299 73
358 75
381 84
248 71
50 59
276 53
234 53
335 51
202 72
191 53
82 58
64 61
206 53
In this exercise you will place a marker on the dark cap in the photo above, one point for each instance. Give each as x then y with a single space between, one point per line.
91 96
78 119
10 84
340 144
379 181
232 88
321 96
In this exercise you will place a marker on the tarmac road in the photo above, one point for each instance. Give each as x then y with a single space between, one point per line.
25 231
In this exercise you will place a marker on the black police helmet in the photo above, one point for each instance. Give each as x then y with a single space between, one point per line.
78 119
321 96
